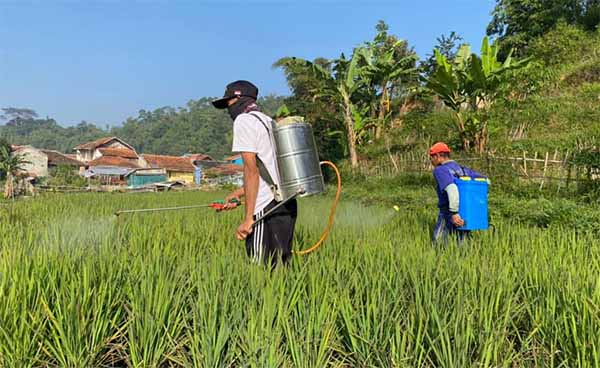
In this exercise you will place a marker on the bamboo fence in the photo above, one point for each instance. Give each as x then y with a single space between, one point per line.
542 168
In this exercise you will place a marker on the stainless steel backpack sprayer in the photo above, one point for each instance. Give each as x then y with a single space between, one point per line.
298 167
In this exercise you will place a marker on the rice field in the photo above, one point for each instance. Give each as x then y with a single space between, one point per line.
82 288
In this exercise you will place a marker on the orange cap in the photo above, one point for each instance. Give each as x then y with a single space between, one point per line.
439 147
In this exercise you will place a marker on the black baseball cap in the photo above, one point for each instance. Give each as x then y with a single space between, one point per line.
236 89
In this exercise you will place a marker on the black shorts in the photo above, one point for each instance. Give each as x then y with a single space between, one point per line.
271 239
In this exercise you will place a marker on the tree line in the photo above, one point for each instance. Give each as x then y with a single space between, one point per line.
196 128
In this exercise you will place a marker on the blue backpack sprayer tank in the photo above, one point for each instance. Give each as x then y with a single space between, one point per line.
473 205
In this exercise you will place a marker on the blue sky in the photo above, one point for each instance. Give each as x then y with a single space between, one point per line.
103 61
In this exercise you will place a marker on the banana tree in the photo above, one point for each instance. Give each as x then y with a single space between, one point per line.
470 85
11 164
340 86
384 70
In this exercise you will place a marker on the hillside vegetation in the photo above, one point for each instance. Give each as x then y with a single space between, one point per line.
196 128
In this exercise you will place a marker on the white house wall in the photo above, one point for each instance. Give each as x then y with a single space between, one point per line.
84 155
38 161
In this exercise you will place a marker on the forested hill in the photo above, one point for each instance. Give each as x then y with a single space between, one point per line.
196 128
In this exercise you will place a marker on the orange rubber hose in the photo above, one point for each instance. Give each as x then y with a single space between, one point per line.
331 213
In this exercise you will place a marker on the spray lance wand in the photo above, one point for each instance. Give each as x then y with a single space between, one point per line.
216 205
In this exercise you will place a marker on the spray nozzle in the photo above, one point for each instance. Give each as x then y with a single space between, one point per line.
220 204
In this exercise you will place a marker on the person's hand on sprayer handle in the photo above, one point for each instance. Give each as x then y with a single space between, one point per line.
457 220
245 227
233 200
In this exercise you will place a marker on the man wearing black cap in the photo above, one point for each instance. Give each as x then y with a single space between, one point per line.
270 239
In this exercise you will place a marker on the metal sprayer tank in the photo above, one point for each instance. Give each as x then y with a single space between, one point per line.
297 158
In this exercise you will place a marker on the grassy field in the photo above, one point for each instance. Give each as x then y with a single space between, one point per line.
81 288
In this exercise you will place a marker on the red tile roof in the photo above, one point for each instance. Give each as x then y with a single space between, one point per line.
200 157
171 163
118 152
231 158
99 142
226 169
56 158
114 162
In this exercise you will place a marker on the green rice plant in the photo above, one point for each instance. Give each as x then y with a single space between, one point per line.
213 311
310 331
155 304
83 309
260 334
22 320
80 287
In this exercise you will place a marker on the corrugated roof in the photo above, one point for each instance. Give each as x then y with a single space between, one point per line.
118 152
111 171
56 158
171 163
148 171
99 142
114 162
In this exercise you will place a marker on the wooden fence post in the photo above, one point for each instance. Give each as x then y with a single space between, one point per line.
544 172
525 163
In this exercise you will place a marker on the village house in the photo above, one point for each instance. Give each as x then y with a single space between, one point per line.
220 172
37 165
178 168
109 160
143 177
56 159
41 162
109 152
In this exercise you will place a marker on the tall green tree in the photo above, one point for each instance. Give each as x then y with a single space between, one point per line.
518 22
322 112
3 145
469 86
339 85
14 113
388 67
447 45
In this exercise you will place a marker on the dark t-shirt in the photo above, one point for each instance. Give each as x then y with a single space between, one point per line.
444 175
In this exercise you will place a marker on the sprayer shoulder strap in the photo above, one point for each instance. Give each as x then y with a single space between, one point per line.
262 169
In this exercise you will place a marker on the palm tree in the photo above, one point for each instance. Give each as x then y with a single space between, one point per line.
11 164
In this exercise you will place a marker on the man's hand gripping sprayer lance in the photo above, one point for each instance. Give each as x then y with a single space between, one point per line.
216 205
